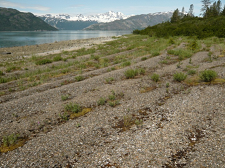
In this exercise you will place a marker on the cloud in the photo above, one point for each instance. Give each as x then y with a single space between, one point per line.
8 4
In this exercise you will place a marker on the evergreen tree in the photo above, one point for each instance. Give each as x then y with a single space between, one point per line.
176 17
205 5
223 11
191 9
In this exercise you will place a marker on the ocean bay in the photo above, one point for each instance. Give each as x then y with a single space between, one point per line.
23 38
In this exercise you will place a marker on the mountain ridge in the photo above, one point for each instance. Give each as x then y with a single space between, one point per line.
134 22
106 21
102 17
14 20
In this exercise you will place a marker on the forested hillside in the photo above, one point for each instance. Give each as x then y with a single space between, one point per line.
212 23
13 20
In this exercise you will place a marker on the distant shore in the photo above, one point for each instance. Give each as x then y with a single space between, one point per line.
52 48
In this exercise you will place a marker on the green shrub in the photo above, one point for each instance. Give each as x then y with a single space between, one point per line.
101 101
114 103
3 80
155 53
12 68
141 71
57 58
191 72
179 76
74 108
1 73
64 116
167 85
109 80
131 73
208 75
10 140
127 63
43 61
144 58
64 97
155 77
79 78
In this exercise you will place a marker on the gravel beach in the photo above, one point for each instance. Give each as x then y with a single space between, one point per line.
154 124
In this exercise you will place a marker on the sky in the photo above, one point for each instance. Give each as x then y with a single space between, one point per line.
90 7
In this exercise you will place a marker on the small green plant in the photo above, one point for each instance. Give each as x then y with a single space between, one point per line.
127 63
191 72
131 73
10 140
144 58
167 85
164 62
171 41
190 61
43 61
138 122
95 57
64 97
64 116
3 80
57 58
112 96
155 53
1 73
109 80
79 78
74 108
12 68
114 103
179 76
155 77
208 75
141 71
101 101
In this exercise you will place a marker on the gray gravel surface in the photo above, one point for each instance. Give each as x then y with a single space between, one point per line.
181 127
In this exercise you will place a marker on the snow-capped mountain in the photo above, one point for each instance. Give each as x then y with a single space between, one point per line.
100 18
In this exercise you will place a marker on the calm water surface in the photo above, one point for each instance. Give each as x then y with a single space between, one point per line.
11 39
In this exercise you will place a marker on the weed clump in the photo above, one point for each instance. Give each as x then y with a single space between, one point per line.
3 80
43 61
79 78
155 77
64 97
208 75
191 72
10 140
74 108
101 101
131 73
179 76
1 73
57 58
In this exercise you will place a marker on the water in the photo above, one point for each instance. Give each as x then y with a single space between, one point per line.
22 38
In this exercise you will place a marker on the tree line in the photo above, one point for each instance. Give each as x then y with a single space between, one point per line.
211 22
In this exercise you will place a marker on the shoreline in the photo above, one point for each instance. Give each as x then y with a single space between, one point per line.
52 48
